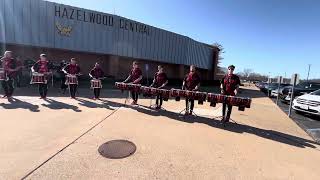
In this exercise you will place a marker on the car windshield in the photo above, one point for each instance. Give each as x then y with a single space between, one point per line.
317 93
309 85
303 85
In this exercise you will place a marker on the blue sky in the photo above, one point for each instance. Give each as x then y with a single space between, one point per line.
276 36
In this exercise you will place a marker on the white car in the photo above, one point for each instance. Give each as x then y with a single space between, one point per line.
274 93
308 103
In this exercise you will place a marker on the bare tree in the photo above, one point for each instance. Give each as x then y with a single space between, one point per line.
247 73
220 58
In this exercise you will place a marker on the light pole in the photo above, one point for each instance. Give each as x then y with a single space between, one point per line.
269 81
308 71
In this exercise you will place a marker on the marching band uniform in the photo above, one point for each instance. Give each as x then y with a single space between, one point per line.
191 83
18 77
43 67
229 85
135 77
9 65
96 73
159 81
72 69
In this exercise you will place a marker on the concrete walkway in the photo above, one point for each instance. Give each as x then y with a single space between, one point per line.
59 139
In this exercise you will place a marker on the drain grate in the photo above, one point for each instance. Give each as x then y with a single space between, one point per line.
117 149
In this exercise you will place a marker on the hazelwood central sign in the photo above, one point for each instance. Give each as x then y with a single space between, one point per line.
99 18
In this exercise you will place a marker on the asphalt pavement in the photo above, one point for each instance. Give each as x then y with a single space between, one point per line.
309 123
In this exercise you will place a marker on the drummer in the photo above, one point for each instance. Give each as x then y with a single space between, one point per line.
229 86
72 69
191 82
135 77
160 80
42 66
96 73
10 67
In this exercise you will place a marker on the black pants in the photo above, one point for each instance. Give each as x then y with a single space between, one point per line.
135 96
159 98
43 90
191 102
8 87
224 109
63 83
19 79
96 92
73 90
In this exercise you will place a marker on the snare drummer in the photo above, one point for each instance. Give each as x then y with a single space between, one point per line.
191 82
10 68
135 77
229 86
96 73
160 80
72 69
43 67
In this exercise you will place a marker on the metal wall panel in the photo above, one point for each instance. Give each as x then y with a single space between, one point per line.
131 47
9 23
34 10
51 28
134 44
33 22
26 21
115 36
43 23
171 48
147 49
162 45
2 23
144 48
17 20
156 41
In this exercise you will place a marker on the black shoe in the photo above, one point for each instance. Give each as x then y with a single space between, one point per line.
227 119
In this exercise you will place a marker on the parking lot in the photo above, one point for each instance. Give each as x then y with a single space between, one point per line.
309 123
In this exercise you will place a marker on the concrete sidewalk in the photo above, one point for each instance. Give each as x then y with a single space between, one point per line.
265 144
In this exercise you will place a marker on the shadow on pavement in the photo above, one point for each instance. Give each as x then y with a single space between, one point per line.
16 104
106 104
232 127
56 105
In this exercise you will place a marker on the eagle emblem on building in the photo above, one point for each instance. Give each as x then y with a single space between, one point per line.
63 30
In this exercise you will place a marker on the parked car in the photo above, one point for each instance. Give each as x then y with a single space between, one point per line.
308 103
262 85
300 89
273 90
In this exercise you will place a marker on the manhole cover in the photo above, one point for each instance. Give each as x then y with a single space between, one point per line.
117 149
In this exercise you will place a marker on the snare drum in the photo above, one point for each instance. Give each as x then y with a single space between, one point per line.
96 84
2 75
71 79
38 78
